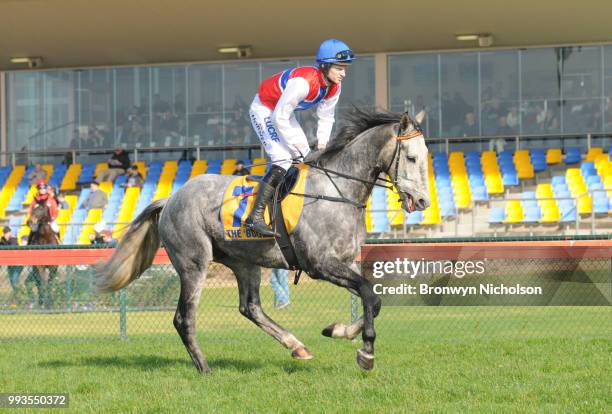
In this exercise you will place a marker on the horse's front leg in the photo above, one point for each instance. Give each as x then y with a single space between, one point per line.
371 308
340 330
340 274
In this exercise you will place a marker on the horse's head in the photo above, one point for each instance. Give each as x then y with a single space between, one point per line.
40 215
408 168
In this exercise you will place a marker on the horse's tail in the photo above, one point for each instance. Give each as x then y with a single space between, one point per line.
135 252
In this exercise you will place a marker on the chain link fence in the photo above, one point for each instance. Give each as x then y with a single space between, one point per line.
62 302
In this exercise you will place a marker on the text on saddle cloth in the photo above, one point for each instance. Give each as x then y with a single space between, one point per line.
238 202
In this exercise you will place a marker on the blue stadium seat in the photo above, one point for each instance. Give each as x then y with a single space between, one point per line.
510 178
497 215
558 179
380 222
448 210
480 193
532 214
414 218
601 205
572 155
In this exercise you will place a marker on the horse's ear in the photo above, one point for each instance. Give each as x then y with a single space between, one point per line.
420 117
404 124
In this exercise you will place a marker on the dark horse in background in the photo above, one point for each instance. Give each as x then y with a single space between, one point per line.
327 238
42 234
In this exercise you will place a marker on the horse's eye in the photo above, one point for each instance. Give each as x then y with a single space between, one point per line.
411 159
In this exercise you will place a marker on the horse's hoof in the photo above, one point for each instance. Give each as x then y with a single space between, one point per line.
328 331
365 360
302 353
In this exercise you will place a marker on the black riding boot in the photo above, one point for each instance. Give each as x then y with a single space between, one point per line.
264 195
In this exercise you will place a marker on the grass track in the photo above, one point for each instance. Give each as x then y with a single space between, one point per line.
445 359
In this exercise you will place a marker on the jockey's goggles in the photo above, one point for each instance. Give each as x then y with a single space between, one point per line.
43 187
345 55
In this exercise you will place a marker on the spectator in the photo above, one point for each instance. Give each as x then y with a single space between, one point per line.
96 199
512 119
62 204
96 137
37 174
14 272
497 144
134 178
75 141
280 285
117 165
470 129
503 128
241 169
107 238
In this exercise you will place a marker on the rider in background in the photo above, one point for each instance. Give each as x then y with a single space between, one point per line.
43 197
273 118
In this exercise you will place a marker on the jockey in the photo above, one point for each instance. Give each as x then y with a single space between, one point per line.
44 197
273 118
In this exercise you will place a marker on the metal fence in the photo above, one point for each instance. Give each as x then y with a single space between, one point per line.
61 302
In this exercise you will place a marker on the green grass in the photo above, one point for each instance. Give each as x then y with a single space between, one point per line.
428 359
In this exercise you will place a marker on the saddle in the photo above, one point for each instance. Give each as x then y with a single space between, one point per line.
239 198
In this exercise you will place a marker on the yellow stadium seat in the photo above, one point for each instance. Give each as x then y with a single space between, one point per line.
228 166
550 211
431 216
72 201
593 153
93 217
71 177
100 167
584 204
368 217
107 187
9 187
554 156
259 166
514 212
544 191
395 213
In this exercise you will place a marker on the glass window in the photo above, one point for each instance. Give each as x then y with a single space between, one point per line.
95 108
581 85
459 87
541 90
607 98
240 86
169 124
499 91
132 108
24 109
413 86
205 108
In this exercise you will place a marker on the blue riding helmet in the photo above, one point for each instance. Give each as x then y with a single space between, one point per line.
334 51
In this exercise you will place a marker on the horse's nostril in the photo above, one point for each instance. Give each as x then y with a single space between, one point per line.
421 203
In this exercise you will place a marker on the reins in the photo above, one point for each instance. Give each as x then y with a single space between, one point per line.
396 157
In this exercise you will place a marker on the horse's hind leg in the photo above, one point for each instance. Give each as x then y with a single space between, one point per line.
185 316
249 279
192 274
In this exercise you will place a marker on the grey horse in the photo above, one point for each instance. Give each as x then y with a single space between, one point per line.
327 238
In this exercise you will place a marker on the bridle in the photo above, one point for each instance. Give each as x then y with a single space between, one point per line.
416 132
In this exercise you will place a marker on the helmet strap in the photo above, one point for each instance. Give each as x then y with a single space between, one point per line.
324 68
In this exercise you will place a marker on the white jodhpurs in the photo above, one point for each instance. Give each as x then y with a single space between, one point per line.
279 151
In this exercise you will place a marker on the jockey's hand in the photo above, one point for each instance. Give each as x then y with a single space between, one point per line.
321 147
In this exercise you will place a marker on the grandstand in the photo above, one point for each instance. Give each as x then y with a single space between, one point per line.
532 191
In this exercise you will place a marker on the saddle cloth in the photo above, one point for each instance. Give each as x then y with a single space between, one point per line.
239 198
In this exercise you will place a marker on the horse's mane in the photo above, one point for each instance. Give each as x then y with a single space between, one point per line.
354 123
